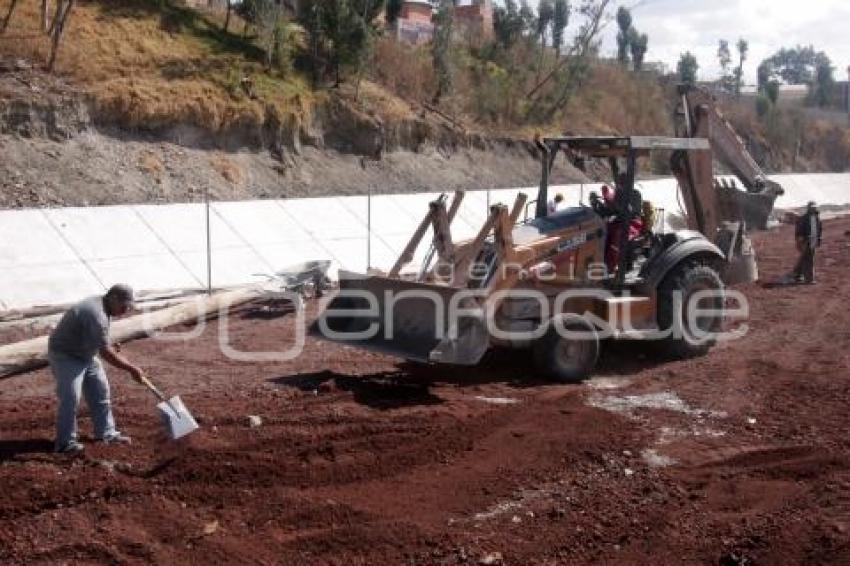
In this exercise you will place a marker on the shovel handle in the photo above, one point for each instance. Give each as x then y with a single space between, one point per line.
147 383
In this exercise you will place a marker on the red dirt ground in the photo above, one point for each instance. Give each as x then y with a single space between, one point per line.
359 460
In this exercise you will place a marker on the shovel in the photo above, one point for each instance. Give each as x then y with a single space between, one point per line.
175 416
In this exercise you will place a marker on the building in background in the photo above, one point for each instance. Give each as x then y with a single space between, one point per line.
414 24
473 20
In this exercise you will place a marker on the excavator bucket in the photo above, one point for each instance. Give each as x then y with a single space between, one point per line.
401 318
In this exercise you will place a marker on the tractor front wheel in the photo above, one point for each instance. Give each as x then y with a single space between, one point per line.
690 309
569 349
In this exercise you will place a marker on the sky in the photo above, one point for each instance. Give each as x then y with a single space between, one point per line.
676 26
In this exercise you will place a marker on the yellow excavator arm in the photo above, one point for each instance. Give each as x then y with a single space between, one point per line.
709 202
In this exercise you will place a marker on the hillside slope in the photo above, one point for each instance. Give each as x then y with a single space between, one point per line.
152 102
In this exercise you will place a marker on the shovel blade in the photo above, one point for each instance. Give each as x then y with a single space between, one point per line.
176 417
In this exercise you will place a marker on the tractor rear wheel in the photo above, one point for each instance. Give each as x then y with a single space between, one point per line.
564 357
690 334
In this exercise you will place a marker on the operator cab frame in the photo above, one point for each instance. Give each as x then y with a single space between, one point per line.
578 150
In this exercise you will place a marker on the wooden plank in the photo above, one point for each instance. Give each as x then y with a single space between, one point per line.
32 354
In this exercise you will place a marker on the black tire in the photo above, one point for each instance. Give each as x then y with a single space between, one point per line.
563 359
689 338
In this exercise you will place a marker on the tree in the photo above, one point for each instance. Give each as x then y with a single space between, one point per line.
441 48
724 57
560 19
507 24
824 82
45 16
624 22
687 68
545 15
528 18
570 71
393 10
763 105
743 48
796 66
226 27
339 33
638 44
12 5
771 91
60 19
265 16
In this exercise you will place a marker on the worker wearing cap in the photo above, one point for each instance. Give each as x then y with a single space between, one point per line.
808 237
553 205
72 350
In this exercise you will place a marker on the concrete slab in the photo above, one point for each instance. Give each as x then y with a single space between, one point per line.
147 272
106 232
28 239
60 255
30 285
181 227
387 216
230 266
260 222
281 255
326 218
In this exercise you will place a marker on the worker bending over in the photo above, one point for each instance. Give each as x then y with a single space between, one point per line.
73 348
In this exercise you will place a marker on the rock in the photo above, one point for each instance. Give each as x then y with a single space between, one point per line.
254 421
211 527
492 558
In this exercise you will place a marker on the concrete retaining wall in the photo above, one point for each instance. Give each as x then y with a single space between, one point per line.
53 256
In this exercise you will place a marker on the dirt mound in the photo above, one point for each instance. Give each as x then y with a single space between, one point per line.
737 457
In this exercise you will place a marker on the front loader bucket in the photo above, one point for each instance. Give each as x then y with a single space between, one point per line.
405 319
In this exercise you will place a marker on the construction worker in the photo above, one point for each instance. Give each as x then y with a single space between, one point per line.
554 204
606 207
808 238
72 349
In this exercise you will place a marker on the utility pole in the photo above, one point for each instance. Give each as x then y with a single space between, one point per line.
209 239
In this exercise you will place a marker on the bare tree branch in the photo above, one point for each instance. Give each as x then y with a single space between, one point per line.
8 17
587 34
63 11
45 16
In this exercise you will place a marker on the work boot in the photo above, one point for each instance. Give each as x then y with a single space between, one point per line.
72 447
117 438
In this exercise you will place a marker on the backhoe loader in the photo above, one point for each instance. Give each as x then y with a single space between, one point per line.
560 283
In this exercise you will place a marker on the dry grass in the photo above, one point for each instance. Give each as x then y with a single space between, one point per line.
150 163
230 171
148 66
377 101
617 101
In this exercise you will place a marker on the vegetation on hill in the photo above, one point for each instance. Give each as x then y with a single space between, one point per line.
154 64
150 63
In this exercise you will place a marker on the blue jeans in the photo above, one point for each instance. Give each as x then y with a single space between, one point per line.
75 376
